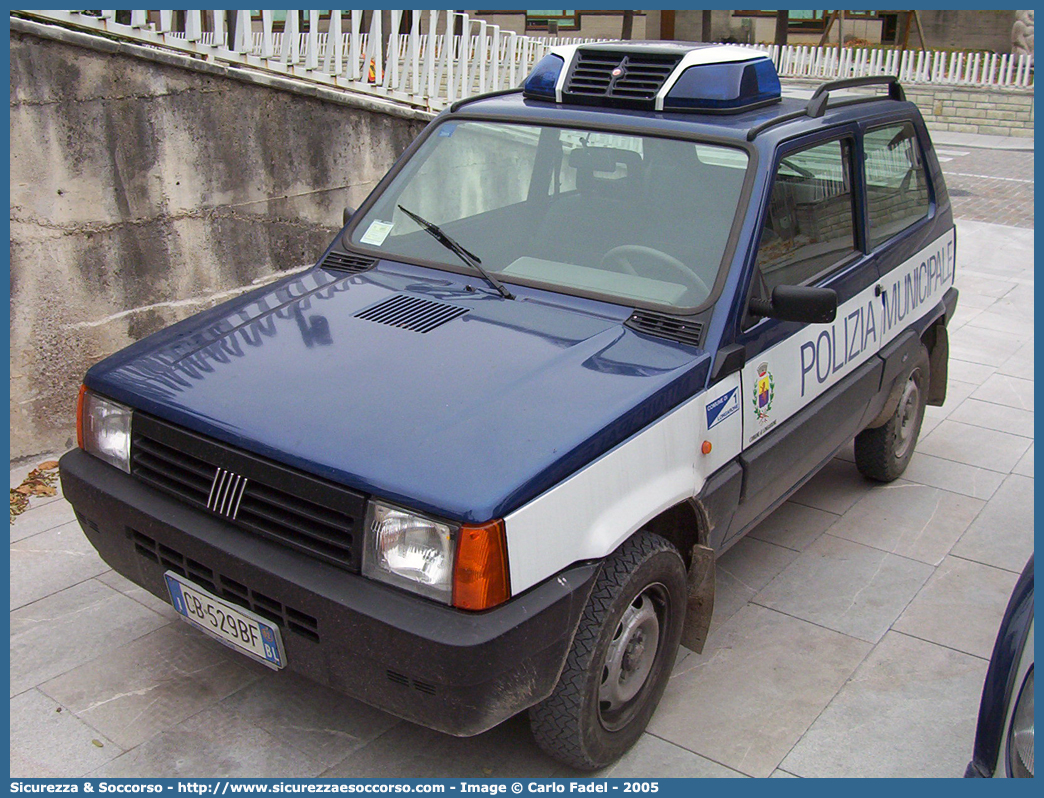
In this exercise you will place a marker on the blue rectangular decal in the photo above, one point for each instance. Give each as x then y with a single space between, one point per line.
175 595
721 408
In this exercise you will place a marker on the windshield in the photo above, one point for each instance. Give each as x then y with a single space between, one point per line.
627 218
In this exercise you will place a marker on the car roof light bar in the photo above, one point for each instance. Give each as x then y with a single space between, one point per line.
657 76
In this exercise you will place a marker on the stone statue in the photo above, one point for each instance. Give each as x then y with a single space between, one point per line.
1022 34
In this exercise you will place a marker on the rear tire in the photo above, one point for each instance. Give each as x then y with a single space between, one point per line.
882 453
621 657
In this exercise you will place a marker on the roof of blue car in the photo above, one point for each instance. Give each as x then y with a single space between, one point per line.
515 107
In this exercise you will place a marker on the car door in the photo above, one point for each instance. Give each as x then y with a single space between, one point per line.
912 245
805 388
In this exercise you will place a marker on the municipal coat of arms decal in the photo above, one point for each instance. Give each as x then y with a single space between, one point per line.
764 392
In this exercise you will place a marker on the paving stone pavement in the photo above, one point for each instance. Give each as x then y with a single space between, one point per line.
989 185
850 636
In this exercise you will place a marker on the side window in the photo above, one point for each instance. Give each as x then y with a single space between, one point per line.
809 226
896 183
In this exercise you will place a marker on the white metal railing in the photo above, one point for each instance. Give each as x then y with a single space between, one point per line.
910 66
432 66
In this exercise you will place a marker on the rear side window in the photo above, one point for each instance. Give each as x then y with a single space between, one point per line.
896 183
809 226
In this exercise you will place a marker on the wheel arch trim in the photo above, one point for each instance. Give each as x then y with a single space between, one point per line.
588 515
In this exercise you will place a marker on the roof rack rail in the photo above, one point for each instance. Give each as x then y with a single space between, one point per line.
467 100
817 104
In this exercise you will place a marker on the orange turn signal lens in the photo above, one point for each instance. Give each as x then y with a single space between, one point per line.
79 416
480 578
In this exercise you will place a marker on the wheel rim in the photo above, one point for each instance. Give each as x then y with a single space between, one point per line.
909 418
630 657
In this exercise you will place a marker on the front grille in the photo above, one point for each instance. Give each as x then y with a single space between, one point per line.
172 560
282 504
641 75
684 331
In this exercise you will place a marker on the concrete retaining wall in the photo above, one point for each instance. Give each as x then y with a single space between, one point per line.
147 186
991 112
972 109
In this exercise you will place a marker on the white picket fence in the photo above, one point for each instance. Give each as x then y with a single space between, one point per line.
431 66
430 69
910 66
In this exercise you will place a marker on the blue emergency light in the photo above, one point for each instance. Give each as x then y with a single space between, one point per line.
542 80
731 86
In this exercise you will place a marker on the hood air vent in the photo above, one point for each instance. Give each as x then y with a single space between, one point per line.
683 331
604 74
411 313
343 262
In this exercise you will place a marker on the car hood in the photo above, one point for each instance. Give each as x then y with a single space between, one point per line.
468 420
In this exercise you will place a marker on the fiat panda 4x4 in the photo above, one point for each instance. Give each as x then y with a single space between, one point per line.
581 338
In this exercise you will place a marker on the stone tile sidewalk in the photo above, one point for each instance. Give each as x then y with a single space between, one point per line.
987 182
946 137
850 637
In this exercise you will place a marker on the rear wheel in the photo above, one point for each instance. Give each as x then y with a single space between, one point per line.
621 656
884 452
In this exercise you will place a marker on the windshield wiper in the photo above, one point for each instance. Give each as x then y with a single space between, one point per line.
471 260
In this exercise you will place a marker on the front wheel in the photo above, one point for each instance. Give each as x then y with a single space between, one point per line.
621 657
882 453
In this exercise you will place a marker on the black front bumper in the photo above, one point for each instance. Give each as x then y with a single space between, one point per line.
454 671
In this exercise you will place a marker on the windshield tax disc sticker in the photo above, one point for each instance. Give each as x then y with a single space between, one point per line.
376 233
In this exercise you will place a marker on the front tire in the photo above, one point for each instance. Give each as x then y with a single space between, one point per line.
621 657
882 453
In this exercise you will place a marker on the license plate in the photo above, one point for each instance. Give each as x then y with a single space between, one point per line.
234 626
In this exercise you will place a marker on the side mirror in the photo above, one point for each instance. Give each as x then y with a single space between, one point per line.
798 303
347 215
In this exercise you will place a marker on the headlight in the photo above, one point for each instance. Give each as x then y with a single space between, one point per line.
410 551
465 566
103 429
1020 741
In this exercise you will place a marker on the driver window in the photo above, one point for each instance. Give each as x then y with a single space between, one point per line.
809 226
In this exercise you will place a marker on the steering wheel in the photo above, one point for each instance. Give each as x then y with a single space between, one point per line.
624 258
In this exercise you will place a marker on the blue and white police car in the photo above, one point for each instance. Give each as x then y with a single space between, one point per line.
581 338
